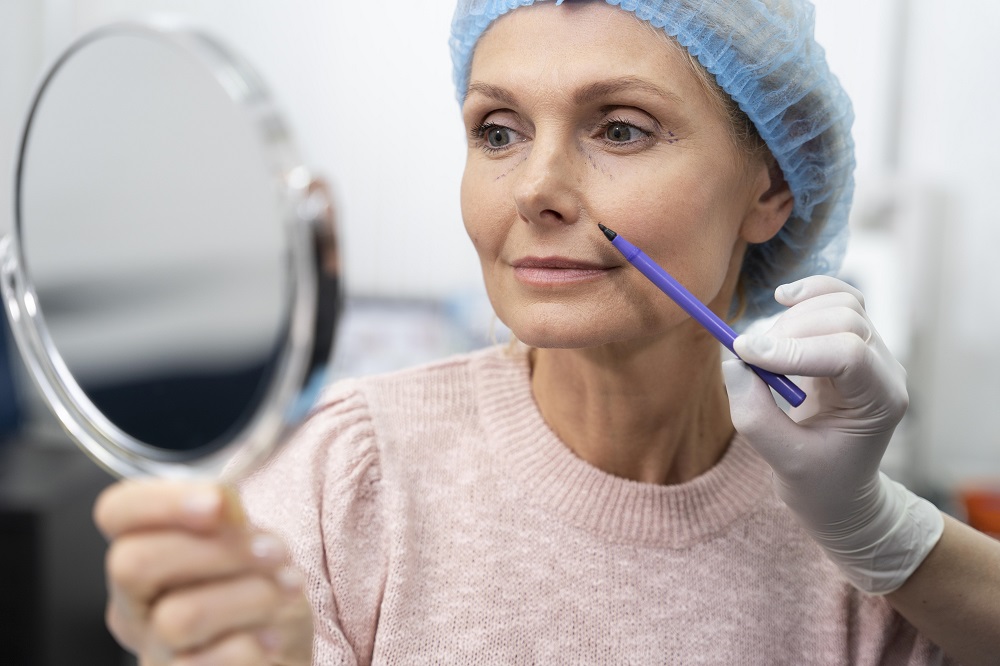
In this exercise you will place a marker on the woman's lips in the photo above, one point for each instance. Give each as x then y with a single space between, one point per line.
543 271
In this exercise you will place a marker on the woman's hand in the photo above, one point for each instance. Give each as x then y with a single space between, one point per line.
826 456
190 583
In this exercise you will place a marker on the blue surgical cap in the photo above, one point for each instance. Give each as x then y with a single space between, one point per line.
763 54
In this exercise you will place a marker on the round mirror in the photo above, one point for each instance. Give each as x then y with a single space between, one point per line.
172 278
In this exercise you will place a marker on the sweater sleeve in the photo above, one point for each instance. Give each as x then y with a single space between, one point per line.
321 493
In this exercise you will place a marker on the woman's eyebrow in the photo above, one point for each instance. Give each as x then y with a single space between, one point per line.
598 89
493 92
612 87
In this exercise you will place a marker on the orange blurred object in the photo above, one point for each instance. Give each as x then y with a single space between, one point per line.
982 507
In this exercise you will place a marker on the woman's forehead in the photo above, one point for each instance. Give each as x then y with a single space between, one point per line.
573 45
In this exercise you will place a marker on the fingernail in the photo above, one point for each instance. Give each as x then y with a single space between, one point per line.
289 580
267 548
202 503
269 639
754 345
759 345
787 292
160 653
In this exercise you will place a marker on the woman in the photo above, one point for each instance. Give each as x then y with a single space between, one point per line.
605 497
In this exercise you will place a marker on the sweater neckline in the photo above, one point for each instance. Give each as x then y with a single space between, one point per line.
620 510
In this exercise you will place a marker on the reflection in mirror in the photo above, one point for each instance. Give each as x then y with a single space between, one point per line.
172 245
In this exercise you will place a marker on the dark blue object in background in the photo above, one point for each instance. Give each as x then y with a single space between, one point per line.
10 407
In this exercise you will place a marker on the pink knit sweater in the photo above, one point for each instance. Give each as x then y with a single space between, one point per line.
440 521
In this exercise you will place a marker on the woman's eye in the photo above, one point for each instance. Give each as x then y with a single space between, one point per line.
622 132
498 136
493 137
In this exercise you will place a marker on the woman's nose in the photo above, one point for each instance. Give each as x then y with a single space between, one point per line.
547 183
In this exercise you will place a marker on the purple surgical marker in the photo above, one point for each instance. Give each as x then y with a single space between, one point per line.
719 329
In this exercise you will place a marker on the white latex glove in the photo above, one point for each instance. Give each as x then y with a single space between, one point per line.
825 454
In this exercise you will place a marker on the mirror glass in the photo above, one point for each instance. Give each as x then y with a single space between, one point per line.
170 253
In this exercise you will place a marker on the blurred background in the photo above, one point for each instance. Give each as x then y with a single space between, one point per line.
366 88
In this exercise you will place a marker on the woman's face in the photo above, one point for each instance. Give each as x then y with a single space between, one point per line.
578 115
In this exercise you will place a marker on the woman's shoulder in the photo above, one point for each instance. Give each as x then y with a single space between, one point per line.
377 414
448 383
472 361
380 433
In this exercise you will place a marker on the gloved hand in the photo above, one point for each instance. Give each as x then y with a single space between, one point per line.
825 454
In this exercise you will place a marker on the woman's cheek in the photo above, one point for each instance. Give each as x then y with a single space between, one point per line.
472 209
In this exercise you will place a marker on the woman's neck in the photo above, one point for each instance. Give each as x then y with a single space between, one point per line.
655 413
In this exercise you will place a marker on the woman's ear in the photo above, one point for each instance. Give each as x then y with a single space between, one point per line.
772 204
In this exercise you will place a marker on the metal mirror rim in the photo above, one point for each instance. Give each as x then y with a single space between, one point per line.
283 403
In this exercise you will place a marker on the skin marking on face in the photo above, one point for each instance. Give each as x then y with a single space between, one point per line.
511 169
601 169
479 136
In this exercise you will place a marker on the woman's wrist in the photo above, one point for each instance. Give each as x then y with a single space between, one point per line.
879 553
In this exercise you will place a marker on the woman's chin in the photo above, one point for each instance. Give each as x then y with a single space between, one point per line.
560 336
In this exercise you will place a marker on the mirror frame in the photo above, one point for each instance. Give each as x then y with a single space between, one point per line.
286 399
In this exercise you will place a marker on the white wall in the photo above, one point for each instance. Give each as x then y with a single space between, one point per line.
367 90
927 263
20 62
950 140
379 121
